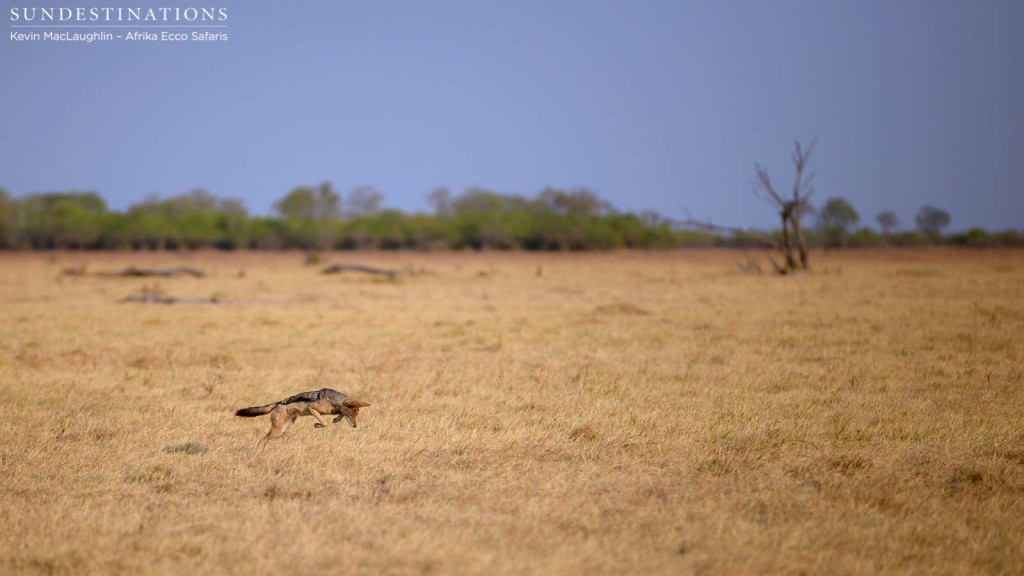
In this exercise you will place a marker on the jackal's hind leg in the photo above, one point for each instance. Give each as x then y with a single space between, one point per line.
288 425
279 423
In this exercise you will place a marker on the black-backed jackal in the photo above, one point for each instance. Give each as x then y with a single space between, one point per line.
315 404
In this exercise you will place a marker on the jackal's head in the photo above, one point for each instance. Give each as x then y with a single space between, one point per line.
350 409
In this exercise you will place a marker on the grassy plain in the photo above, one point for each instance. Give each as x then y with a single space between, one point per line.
560 414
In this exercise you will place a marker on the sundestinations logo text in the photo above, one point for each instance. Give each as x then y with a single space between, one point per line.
125 24
111 14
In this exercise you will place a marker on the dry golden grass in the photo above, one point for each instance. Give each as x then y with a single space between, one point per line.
558 414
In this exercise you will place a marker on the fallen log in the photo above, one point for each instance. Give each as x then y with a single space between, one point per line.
133 272
74 271
339 268
163 299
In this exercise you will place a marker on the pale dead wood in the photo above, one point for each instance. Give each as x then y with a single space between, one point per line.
339 268
133 272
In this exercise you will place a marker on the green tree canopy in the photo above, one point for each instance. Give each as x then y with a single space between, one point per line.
299 204
364 201
62 219
931 220
440 199
835 219
311 217
8 220
888 221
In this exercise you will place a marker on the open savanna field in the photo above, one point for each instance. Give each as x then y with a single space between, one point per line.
531 413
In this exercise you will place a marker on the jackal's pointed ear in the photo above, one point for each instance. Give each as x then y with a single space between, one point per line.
353 403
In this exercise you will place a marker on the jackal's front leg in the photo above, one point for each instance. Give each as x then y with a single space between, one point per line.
319 419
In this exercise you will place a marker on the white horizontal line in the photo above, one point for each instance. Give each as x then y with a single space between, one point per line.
120 26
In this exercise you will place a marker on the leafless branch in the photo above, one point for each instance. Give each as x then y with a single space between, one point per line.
808 187
764 182
801 156
778 269
716 229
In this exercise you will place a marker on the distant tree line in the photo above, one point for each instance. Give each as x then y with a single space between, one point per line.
319 218
838 226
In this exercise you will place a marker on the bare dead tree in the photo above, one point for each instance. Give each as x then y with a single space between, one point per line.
791 208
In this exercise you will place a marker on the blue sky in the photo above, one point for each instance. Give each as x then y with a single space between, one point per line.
661 105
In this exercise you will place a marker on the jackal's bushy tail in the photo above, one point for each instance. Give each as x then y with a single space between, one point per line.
255 410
